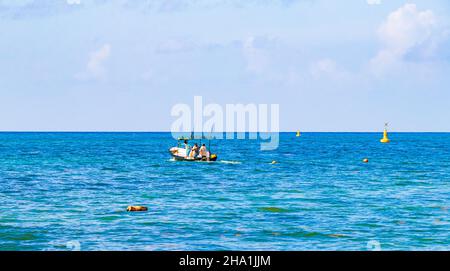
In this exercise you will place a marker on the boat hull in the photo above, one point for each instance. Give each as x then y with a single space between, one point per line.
192 159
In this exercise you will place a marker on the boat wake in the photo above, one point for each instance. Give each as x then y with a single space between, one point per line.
230 162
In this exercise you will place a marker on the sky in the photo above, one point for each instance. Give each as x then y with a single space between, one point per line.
121 65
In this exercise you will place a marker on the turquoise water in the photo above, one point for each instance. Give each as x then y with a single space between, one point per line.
62 191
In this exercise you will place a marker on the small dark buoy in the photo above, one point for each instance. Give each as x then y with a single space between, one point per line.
136 209
365 160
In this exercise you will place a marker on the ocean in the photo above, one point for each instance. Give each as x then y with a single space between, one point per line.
70 191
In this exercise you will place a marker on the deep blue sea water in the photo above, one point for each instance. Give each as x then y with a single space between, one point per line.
62 191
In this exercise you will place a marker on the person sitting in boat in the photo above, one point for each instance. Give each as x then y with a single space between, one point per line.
194 151
203 151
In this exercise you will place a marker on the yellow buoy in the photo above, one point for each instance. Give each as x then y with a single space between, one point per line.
298 134
385 138
274 162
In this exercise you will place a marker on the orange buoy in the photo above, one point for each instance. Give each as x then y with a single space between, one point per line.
136 209
365 160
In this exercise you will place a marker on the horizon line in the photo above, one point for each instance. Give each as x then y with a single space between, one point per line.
140 131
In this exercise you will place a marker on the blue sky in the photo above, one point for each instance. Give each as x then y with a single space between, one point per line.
79 65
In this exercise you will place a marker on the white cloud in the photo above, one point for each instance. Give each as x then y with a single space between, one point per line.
15 3
327 68
95 68
73 2
407 33
177 5
373 2
19 9
176 46
255 53
26 8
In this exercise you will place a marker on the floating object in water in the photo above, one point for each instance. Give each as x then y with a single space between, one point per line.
273 210
336 235
385 138
274 162
365 160
298 134
137 209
